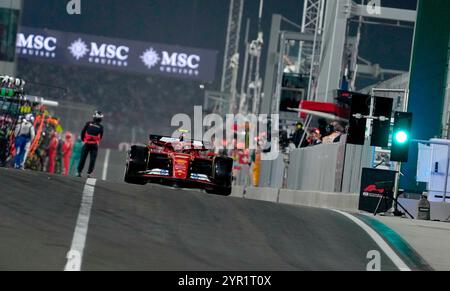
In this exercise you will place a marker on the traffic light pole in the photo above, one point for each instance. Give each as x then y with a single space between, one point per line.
398 165
398 168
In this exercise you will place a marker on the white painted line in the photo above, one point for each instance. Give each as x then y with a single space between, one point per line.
398 262
105 165
75 255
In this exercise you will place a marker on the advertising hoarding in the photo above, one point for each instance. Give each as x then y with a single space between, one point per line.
117 54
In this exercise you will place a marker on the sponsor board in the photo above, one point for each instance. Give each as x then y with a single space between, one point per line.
117 54
37 44
376 184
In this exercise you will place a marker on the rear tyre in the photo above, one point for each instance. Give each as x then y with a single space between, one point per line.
223 171
223 176
137 162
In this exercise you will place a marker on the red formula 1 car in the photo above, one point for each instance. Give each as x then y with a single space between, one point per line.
173 161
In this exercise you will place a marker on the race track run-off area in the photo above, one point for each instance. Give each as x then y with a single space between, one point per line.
59 223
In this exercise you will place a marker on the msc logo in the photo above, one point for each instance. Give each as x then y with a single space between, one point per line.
108 54
78 49
38 45
180 60
109 51
150 58
176 63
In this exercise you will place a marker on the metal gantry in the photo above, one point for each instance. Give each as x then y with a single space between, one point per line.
231 57
312 21
339 50
250 97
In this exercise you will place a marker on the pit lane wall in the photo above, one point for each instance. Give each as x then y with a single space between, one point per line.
339 201
323 168
324 176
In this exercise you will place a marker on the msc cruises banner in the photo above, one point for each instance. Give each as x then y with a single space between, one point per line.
116 54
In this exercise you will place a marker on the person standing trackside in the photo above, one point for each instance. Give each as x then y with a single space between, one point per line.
76 156
91 136
67 148
52 152
25 134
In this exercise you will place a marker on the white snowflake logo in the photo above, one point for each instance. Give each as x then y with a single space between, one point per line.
150 58
78 49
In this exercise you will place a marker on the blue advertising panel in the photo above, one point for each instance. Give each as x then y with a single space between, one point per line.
117 54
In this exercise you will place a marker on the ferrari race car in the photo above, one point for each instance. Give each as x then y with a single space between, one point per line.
173 161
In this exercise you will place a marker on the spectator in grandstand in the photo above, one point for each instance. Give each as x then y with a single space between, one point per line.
52 152
314 137
336 130
339 128
298 135
323 125
67 148
24 133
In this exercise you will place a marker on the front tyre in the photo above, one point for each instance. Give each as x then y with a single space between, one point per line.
134 180
136 163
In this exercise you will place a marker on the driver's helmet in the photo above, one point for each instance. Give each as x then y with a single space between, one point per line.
183 134
98 116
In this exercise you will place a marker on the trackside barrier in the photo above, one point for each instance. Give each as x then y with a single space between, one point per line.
315 168
264 194
323 169
339 201
238 192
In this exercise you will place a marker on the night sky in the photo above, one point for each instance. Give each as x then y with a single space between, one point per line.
201 23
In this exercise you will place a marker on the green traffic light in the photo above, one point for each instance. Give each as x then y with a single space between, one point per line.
401 137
